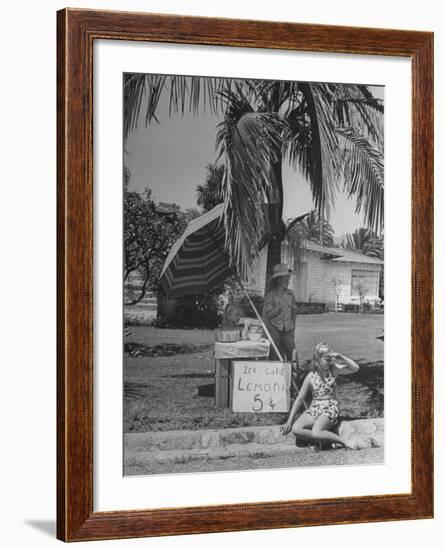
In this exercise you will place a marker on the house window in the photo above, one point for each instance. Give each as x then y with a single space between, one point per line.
366 280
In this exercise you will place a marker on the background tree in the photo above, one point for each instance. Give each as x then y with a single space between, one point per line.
209 194
308 227
330 133
148 237
362 291
191 214
365 241
315 228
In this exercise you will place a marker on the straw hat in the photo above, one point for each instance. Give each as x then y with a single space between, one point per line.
280 270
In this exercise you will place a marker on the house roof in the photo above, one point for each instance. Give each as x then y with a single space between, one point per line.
341 254
168 208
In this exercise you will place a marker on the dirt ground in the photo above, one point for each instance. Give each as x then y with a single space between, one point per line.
310 459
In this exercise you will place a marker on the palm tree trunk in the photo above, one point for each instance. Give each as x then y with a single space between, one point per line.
275 220
273 258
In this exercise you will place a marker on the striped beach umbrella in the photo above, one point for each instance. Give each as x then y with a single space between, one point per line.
197 262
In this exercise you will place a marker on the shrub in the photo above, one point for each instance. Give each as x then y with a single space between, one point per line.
195 311
310 307
351 307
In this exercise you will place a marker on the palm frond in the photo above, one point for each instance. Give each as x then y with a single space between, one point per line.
364 176
185 94
372 101
248 142
323 129
315 228
134 93
276 95
355 107
155 85
312 143
365 241
194 94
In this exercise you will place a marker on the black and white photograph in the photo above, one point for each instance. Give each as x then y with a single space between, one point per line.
222 323
253 274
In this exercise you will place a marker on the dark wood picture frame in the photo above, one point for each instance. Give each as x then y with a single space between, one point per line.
77 31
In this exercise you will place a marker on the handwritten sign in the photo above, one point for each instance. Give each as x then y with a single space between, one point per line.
261 386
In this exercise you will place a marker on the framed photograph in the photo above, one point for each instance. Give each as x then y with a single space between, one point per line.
245 231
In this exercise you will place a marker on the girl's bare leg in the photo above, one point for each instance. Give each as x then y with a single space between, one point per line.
303 427
320 432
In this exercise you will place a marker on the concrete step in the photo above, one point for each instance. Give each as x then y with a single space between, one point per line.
202 439
182 446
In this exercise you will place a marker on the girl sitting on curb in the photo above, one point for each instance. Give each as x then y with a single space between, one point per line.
316 422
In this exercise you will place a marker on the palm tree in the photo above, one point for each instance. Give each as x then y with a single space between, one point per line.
209 194
315 228
365 241
331 133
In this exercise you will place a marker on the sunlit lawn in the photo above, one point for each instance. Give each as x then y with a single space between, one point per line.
171 385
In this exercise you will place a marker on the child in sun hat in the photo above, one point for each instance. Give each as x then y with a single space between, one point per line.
280 311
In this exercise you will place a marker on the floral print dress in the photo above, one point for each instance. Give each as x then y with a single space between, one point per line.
322 402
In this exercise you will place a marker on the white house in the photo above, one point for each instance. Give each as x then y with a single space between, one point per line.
323 272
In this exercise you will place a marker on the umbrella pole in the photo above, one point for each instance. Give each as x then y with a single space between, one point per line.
280 357
238 278
267 332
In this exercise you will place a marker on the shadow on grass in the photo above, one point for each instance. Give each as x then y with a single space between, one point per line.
206 390
191 375
135 391
135 349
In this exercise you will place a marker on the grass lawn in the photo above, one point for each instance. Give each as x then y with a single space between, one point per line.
170 385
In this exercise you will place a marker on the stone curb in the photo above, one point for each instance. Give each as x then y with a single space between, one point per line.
201 439
186 445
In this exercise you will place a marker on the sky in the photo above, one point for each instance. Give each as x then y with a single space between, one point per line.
170 159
